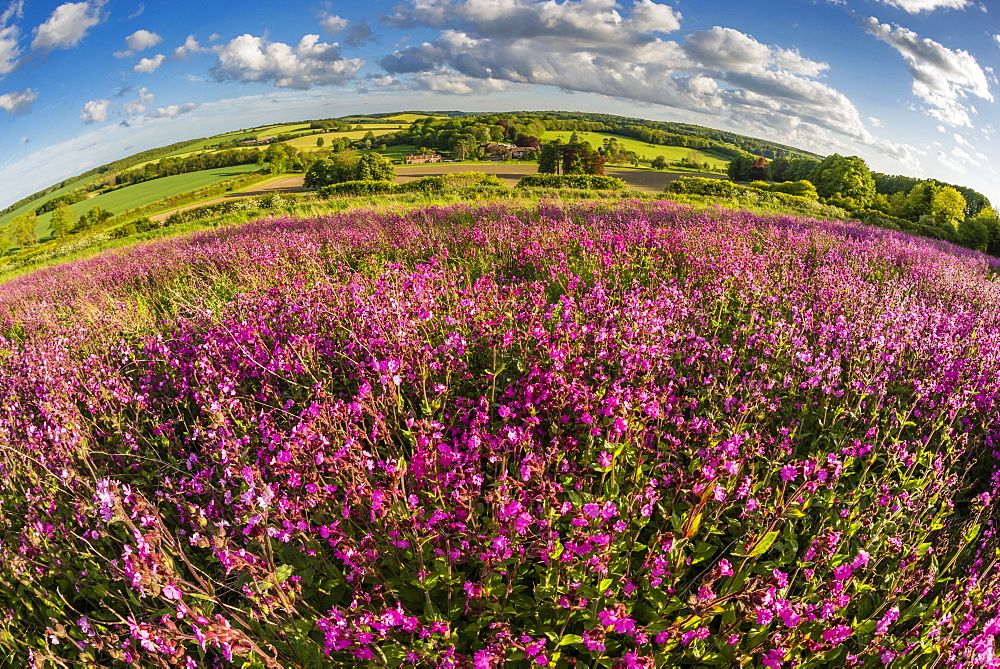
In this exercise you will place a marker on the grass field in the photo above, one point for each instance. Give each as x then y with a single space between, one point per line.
146 193
308 142
24 209
644 150
410 118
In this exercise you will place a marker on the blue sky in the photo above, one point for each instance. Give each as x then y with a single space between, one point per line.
909 85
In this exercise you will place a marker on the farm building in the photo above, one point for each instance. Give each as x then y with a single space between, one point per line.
422 158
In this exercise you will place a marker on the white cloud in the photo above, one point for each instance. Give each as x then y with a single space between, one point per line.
876 122
173 111
95 111
67 25
961 154
648 16
793 61
15 10
962 140
595 46
10 38
150 65
310 63
10 51
997 38
727 49
951 163
942 77
917 6
190 46
141 103
452 83
333 24
18 102
141 40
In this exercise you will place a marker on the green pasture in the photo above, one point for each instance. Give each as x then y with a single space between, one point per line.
24 209
308 142
399 151
642 149
410 118
147 192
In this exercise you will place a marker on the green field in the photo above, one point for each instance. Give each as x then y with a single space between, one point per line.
308 143
409 118
24 209
145 193
647 151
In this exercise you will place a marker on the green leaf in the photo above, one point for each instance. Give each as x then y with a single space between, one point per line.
282 573
763 543
570 638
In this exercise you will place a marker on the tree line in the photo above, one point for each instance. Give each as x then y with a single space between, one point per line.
923 206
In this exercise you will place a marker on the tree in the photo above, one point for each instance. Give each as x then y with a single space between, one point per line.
777 168
550 158
277 157
95 216
320 173
659 163
320 141
947 207
62 217
22 229
740 168
581 158
918 201
849 176
758 170
374 167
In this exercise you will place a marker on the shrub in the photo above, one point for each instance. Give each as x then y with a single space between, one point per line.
581 181
356 188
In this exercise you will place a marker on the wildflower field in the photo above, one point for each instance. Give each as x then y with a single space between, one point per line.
550 435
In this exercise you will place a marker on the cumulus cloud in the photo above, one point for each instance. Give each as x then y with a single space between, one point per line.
18 102
150 65
141 40
599 46
140 103
359 33
334 25
10 51
95 111
173 111
10 38
68 25
310 63
727 49
917 6
943 78
190 46
648 16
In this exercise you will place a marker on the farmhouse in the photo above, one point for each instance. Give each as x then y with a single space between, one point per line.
422 158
